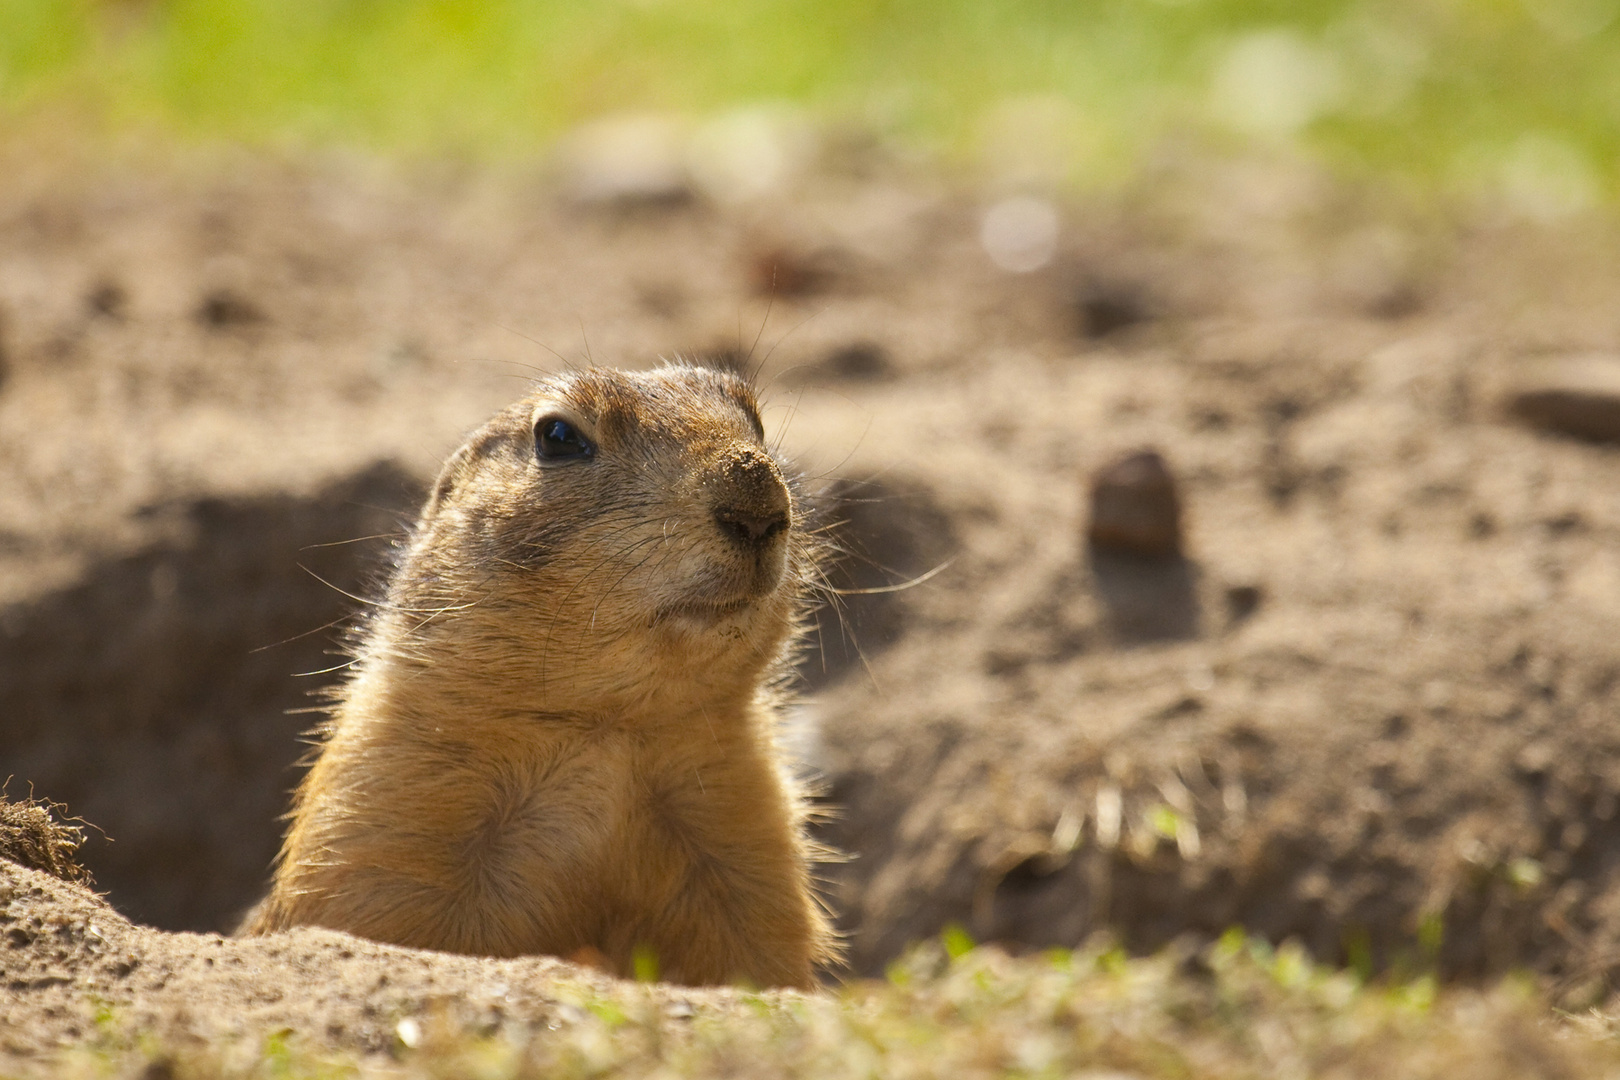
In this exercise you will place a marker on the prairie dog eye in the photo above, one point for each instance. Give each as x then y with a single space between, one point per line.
555 439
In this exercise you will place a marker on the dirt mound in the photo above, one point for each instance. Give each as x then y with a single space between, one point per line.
31 836
1369 705
75 972
1371 709
86 993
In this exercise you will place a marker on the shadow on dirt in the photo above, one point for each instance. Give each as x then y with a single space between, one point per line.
1147 599
155 698
888 534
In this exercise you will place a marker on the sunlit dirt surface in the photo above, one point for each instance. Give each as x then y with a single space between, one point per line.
1370 709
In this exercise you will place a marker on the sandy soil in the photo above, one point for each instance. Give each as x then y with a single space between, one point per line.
1370 708
76 972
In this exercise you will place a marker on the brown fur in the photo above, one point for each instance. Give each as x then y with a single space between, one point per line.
559 734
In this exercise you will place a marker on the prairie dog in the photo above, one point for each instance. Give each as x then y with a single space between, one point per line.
558 734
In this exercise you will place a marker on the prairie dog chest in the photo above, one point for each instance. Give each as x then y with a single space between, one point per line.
594 802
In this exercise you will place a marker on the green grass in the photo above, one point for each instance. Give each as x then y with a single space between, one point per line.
1237 1010
1457 93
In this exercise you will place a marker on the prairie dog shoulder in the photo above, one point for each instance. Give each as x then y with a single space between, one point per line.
559 733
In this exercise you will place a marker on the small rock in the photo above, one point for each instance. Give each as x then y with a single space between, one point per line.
1576 396
1582 413
1135 508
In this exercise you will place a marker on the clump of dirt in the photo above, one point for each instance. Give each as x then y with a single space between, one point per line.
32 836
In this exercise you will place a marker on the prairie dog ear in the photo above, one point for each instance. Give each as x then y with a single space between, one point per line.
460 467
453 471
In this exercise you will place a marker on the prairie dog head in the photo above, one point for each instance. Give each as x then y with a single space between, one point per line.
615 539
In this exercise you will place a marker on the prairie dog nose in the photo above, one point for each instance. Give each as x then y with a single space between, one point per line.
750 500
749 528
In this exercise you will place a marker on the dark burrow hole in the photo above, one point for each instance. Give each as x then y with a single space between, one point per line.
153 697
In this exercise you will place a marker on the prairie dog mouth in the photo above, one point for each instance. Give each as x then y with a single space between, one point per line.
700 613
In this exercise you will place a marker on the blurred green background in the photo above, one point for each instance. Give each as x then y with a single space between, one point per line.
1519 96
